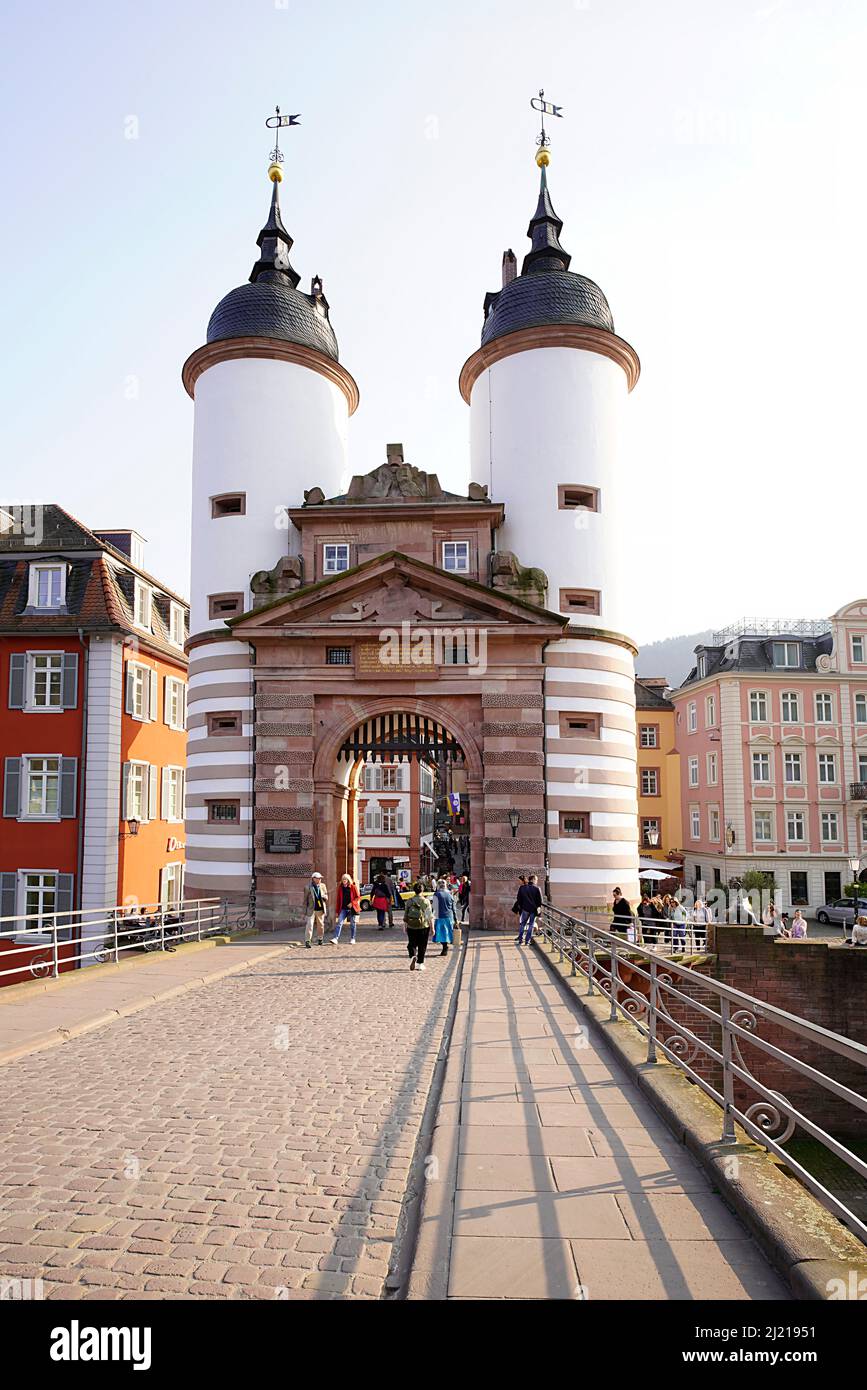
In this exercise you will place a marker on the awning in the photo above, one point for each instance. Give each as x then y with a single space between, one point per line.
670 864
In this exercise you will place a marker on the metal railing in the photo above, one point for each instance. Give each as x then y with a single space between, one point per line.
47 944
605 959
858 791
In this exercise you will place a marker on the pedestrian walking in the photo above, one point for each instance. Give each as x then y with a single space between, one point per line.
679 920
381 900
528 903
347 903
445 916
702 916
621 913
464 897
418 919
315 908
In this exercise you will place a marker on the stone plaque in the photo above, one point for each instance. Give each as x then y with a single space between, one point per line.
394 659
283 841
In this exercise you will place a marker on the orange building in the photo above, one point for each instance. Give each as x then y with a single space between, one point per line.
659 799
92 726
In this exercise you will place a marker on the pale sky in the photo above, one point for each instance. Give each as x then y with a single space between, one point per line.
709 171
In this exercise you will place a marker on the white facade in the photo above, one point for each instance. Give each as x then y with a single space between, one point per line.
267 429
541 419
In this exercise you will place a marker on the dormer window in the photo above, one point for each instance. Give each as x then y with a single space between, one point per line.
335 559
787 653
702 666
176 623
142 605
47 586
456 557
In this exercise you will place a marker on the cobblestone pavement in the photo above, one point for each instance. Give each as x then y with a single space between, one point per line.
251 1139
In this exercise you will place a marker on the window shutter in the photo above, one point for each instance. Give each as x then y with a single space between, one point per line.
400 821
68 782
166 700
63 897
12 787
8 894
69 697
163 887
17 675
184 705
164 795
153 699
128 703
182 793
153 785
124 799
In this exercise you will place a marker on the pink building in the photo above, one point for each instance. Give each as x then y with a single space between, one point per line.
771 727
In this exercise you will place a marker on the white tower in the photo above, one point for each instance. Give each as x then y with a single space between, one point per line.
546 390
272 404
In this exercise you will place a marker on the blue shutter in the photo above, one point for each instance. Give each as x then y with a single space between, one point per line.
12 787
8 894
17 675
69 698
63 898
68 783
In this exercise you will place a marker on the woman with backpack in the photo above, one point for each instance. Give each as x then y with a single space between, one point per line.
381 900
418 919
445 916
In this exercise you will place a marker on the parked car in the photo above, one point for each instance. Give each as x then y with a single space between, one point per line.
840 911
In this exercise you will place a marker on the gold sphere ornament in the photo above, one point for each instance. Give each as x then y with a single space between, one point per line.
275 173
543 158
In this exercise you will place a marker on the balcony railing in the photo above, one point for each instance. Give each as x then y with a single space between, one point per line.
47 944
858 791
607 961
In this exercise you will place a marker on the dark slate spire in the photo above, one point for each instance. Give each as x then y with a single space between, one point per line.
544 233
274 243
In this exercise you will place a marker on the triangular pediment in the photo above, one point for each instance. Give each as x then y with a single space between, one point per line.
389 590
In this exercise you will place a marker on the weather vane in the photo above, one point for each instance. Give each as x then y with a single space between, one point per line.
545 108
277 122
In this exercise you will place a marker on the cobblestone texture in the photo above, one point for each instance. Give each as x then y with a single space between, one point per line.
249 1140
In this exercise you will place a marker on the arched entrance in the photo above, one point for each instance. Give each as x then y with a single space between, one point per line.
398 788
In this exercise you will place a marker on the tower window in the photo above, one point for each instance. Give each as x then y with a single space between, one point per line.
224 724
338 656
229 504
573 497
579 725
225 605
579 600
575 823
223 812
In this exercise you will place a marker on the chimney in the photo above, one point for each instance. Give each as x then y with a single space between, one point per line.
510 267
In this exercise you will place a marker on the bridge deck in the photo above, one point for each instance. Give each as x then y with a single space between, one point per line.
567 1183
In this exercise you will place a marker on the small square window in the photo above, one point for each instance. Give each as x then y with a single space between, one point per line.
224 724
456 557
579 725
579 600
575 823
335 559
225 605
224 812
338 656
229 504
573 497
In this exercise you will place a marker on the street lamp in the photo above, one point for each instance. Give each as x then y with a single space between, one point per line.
514 821
652 836
132 829
855 867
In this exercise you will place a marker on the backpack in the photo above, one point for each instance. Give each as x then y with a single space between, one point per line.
414 914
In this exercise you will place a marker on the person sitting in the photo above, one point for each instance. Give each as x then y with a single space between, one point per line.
859 932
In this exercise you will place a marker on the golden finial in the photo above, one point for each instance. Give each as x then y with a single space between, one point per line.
275 173
543 158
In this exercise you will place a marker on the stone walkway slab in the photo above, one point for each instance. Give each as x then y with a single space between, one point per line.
558 1179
